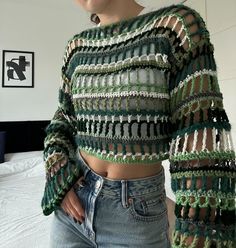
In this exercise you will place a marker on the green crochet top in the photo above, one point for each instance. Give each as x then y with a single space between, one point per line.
143 90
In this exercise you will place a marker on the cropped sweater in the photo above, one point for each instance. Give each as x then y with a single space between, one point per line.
142 90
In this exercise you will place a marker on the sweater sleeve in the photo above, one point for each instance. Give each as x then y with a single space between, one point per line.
202 156
59 154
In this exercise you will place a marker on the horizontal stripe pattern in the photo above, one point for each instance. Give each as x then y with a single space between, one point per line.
144 90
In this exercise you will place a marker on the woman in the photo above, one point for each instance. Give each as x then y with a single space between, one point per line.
139 88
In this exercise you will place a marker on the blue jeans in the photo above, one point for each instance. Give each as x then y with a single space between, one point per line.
118 213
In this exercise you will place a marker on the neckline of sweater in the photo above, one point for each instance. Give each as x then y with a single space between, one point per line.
124 25
145 10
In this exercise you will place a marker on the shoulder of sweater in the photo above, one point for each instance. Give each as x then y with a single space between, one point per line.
180 12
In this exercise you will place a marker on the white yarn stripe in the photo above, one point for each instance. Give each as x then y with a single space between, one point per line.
214 138
167 22
65 86
223 145
124 36
218 144
122 94
231 142
159 22
122 118
204 139
224 141
177 144
190 77
177 20
180 31
227 145
119 38
124 138
185 142
230 147
195 140
160 58
184 39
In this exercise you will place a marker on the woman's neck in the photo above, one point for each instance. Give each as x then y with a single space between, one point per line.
119 11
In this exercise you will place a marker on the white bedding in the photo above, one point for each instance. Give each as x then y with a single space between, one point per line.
22 180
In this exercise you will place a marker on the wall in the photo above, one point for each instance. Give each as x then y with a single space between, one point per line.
44 28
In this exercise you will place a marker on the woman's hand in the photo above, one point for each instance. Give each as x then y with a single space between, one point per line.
72 206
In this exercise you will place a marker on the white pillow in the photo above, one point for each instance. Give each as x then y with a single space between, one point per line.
21 162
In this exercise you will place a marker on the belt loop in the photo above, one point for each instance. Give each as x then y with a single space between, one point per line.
124 193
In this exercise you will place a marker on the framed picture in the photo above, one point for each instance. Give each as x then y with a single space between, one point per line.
17 69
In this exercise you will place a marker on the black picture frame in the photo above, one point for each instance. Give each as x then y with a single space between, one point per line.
17 69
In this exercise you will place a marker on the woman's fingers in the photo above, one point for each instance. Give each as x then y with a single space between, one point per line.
65 208
72 206
75 214
76 204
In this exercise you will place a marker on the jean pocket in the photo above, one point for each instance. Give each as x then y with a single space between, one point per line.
149 207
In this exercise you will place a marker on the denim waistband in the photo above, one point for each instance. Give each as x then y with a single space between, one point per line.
137 186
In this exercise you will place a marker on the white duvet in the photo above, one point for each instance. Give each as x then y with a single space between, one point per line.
22 180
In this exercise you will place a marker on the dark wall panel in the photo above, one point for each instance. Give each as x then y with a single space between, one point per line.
24 136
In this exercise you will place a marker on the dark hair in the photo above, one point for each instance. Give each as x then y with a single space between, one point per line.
94 18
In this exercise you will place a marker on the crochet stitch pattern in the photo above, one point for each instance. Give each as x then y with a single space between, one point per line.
143 90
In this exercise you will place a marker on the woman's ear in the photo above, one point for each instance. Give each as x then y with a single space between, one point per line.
94 18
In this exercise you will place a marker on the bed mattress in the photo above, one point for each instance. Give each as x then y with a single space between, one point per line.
21 185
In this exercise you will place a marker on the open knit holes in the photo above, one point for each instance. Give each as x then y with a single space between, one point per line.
177 21
71 46
197 82
186 99
200 201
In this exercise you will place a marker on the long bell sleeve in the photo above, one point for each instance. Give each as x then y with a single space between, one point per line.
201 156
59 153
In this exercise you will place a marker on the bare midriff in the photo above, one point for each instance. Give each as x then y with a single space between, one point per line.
117 171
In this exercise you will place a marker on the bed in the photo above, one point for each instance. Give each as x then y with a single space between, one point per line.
21 185
22 179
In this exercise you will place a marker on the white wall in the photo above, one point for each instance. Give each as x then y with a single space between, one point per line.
44 28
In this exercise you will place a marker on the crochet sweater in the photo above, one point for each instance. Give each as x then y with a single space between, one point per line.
142 90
